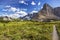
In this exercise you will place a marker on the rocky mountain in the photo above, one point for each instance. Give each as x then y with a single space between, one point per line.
5 18
57 11
30 16
47 13
27 17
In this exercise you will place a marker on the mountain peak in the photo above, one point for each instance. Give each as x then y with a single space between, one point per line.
46 14
46 5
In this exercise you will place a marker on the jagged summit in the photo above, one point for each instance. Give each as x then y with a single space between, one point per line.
46 13
46 6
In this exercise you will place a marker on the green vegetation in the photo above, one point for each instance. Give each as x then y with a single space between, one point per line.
27 30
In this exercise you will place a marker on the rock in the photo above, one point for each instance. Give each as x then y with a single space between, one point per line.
57 11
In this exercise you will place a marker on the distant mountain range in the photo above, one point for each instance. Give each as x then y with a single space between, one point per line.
47 13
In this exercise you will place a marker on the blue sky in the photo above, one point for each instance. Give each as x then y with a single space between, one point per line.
22 7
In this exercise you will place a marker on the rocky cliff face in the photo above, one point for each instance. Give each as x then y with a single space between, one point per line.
57 11
47 13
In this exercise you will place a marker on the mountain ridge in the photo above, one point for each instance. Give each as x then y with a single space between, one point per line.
48 13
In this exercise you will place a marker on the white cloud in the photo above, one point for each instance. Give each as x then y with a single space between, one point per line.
14 15
33 3
34 11
21 13
17 12
41 7
17 9
8 6
39 3
13 9
23 2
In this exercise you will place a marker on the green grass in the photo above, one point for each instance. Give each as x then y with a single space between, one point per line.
27 30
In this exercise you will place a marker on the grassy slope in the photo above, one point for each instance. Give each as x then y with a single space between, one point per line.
26 30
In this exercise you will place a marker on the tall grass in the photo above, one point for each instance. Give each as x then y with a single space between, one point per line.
26 30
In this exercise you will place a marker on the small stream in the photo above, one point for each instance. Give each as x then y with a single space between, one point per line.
55 34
